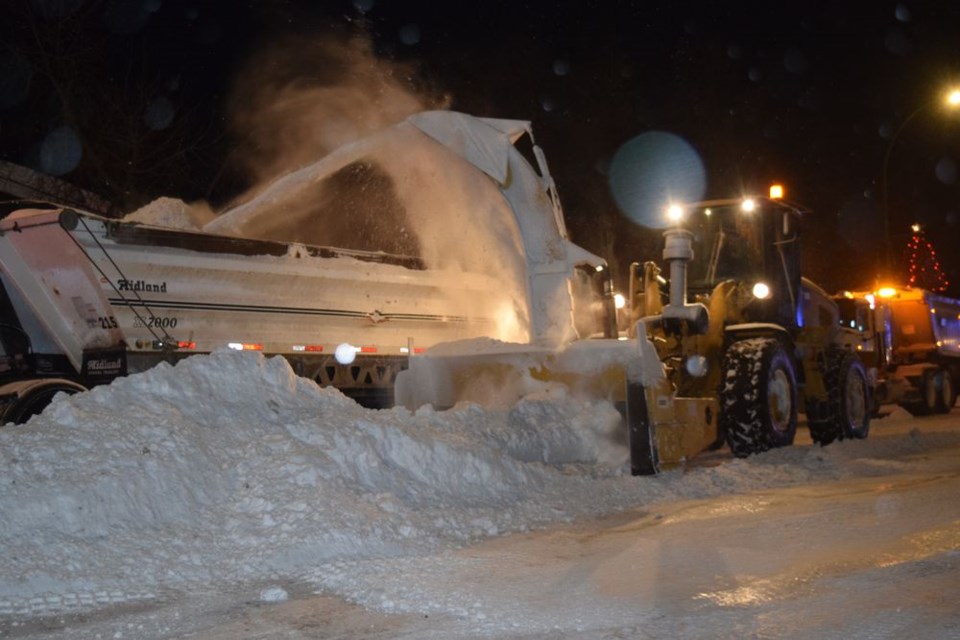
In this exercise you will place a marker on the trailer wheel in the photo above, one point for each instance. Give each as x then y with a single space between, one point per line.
25 399
929 395
758 397
946 391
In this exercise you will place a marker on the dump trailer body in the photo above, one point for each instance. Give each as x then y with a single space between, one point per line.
89 299
925 326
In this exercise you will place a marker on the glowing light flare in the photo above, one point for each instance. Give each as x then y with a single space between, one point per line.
748 205
245 346
674 213
953 98
619 301
886 292
761 291
776 192
416 350
697 366
651 170
345 353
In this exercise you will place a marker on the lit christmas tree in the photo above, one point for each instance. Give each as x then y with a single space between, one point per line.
924 270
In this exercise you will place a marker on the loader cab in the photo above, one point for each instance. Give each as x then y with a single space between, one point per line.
754 242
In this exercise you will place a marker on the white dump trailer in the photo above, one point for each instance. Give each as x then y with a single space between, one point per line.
84 298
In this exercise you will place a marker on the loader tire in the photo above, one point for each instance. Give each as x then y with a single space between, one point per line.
758 397
946 391
848 401
849 396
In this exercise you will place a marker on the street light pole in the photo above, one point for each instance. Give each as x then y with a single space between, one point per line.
952 100
887 263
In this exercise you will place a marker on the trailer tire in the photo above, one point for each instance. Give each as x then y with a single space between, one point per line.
929 395
758 397
946 391
25 399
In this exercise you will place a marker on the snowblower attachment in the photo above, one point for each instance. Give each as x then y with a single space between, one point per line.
663 429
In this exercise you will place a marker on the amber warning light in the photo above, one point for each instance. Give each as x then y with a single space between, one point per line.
776 192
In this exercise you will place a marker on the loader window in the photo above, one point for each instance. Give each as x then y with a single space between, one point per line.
727 246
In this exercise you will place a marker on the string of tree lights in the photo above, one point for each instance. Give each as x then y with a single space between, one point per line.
923 268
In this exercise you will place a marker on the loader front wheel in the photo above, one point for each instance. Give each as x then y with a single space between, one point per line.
758 397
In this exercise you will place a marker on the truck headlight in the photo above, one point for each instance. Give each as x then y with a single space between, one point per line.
761 291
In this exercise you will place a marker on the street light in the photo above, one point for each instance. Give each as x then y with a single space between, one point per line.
951 100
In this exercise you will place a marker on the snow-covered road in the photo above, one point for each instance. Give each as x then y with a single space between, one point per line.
271 509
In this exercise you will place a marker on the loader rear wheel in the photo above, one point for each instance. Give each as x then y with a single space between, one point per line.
848 401
849 396
758 397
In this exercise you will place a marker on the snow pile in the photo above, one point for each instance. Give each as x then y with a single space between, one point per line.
173 213
229 469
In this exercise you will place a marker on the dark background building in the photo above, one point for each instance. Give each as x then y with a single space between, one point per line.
841 102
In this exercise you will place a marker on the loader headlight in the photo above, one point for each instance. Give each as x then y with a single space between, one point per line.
761 291
696 366
674 213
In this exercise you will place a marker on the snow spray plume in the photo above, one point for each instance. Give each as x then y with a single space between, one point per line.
321 113
301 99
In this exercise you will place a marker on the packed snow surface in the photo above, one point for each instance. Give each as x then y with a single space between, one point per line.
229 469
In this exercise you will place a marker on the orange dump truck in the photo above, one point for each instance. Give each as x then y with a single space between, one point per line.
915 345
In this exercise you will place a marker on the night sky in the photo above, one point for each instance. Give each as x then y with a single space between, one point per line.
135 99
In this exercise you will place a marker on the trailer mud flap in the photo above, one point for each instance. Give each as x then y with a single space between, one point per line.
640 433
